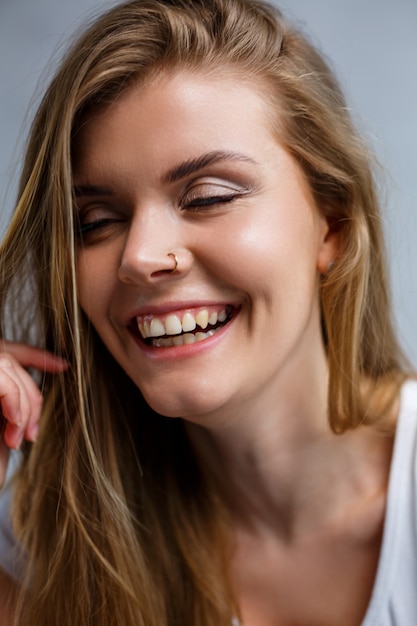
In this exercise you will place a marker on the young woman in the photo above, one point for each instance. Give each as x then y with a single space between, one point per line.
198 238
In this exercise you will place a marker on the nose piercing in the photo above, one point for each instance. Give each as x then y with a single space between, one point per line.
174 256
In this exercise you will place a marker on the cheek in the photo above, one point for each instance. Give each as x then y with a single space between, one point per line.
271 248
95 278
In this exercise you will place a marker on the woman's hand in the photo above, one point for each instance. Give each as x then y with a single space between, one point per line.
20 398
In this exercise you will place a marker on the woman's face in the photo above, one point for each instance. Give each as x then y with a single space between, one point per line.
189 165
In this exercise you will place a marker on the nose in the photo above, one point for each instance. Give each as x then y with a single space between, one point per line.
152 251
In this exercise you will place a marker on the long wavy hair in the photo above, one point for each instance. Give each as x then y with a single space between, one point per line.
117 521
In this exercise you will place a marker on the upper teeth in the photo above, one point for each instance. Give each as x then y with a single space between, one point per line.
173 324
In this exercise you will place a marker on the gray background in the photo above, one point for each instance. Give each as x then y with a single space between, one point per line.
373 48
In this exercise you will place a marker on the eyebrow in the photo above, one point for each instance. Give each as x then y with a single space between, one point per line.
186 168
191 166
91 190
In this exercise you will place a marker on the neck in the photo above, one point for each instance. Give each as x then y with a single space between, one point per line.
280 467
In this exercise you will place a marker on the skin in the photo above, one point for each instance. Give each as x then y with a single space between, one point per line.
20 398
307 504
260 253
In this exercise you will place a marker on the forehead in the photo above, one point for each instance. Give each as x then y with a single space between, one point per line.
216 106
187 86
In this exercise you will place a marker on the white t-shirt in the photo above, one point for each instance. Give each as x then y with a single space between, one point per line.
394 596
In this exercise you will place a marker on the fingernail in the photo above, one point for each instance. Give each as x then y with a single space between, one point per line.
17 418
33 432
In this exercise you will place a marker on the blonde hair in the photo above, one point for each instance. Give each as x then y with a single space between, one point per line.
119 523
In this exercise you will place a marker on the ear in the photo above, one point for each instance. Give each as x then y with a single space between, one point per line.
329 244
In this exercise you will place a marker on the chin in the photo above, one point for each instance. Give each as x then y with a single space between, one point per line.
194 407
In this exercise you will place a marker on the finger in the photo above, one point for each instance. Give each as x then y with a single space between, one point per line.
4 459
29 356
20 400
13 436
10 396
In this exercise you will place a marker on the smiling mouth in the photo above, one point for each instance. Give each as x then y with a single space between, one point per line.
183 329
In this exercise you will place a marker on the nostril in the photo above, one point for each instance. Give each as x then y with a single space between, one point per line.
145 265
140 269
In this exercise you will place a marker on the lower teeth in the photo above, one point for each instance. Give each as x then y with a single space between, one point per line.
182 340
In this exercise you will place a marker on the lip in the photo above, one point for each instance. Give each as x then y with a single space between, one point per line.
175 352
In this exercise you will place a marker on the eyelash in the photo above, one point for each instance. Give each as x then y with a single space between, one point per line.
198 203
88 228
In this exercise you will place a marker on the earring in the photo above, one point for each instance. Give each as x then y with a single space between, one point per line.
174 256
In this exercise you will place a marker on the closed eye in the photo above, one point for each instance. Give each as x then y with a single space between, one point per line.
84 229
94 230
209 192
202 202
